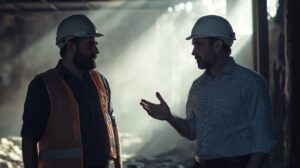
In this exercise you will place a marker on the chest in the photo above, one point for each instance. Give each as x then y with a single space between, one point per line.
220 97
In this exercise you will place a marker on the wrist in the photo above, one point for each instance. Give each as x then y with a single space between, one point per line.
170 117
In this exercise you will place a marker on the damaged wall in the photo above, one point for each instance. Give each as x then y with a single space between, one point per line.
19 63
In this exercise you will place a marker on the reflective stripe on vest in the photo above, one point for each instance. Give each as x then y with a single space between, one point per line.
104 105
59 154
62 133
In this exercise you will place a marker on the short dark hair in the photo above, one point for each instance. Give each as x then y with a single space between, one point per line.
226 48
63 50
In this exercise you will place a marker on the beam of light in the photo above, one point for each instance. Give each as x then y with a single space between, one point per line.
159 59
152 61
213 6
39 56
272 6
189 6
242 24
243 27
155 57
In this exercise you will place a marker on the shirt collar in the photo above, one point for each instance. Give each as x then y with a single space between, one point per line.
228 68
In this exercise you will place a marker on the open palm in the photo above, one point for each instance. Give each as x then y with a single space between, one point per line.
158 111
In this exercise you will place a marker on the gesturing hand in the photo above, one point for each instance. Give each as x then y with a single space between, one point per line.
158 111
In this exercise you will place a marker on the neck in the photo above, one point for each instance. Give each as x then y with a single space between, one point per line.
215 70
72 68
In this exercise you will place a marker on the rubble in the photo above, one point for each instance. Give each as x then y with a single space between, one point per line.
11 153
11 156
175 158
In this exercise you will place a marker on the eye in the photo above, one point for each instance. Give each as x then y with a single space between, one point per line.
92 44
198 44
95 43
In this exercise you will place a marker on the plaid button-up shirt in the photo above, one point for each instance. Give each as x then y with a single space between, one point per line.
230 114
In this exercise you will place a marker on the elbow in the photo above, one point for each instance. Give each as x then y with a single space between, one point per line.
189 135
191 138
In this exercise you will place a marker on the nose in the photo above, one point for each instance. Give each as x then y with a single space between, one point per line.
194 51
95 50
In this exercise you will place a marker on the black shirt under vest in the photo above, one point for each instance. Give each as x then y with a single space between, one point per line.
93 129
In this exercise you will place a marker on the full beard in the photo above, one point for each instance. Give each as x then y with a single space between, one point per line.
202 63
83 62
207 62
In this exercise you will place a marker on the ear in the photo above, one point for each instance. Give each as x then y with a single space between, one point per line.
218 45
71 48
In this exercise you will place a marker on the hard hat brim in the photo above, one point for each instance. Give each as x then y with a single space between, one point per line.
226 41
195 36
60 44
188 38
99 35
92 35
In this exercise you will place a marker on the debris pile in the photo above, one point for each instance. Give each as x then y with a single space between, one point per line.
10 153
175 158
11 156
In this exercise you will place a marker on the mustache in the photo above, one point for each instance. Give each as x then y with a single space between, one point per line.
93 56
198 58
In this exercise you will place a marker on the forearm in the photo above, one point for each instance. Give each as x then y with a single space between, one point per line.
180 125
256 160
29 149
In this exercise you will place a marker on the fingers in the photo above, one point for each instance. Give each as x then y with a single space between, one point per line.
151 105
160 98
146 108
147 102
144 104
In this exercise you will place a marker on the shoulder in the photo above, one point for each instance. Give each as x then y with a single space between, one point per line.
251 80
37 88
38 85
37 82
248 74
200 78
47 73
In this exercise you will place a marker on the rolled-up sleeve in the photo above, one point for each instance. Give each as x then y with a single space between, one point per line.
190 118
110 104
260 115
191 121
111 112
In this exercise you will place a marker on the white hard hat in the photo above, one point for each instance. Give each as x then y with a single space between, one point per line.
213 26
75 26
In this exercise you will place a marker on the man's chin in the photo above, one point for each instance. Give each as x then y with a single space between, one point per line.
201 66
91 65
87 67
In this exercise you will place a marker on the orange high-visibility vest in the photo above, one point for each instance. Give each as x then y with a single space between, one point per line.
60 145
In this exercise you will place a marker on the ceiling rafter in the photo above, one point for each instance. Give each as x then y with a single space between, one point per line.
16 6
